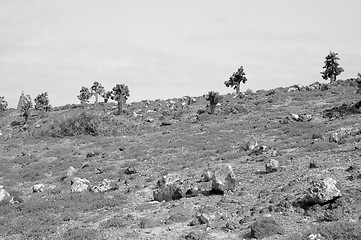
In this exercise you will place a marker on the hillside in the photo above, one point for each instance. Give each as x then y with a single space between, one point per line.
163 150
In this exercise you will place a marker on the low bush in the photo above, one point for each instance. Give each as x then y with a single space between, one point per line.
82 234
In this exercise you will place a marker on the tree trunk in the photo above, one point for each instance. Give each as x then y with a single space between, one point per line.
333 78
238 88
120 105
96 98
213 108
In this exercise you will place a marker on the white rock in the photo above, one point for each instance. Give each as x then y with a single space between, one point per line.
3 194
79 185
223 178
71 171
38 188
272 166
294 117
206 176
323 190
170 178
251 144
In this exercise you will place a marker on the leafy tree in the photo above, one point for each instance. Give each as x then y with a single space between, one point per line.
120 94
3 104
26 106
84 95
213 98
97 89
331 67
236 79
42 102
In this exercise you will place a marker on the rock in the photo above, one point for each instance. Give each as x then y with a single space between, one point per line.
105 186
4 195
16 200
150 222
314 236
166 123
130 170
294 117
170 178
251 144
70 172
292 89
305 117
323 190
223 178
79 185
150 120
168 193
334 137
266 227
38 188
272 166
206 176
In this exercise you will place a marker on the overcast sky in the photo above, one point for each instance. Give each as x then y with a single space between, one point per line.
165 48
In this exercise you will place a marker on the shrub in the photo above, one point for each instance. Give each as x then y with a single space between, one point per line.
42 102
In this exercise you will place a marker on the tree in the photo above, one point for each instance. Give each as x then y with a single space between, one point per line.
213 98
236 79
97 89
84 95
106 96
26 106
3 104
42 102
331 67
120 94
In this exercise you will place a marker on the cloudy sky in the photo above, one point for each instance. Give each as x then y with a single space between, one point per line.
168 48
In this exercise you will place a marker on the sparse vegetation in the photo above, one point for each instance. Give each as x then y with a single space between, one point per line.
214 98
42 102
26 106
332 69
3 105
96 90
84 95
236 79
120 94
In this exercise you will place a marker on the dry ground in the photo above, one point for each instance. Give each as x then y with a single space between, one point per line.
189 144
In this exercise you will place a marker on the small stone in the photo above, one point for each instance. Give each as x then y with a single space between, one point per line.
206 176
130 170
38 188
272 166
305 117
4 195
294 117
148 222
79 185
266 227
105 186
168 193
71 171
251 144
150 120
170 178
223 178
334 137
323 190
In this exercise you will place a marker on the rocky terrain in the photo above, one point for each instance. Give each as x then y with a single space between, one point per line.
276 164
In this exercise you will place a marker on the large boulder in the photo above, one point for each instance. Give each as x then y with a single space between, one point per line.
79 185
223 178
266 227
323 190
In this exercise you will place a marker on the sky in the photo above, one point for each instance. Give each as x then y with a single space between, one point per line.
167 48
